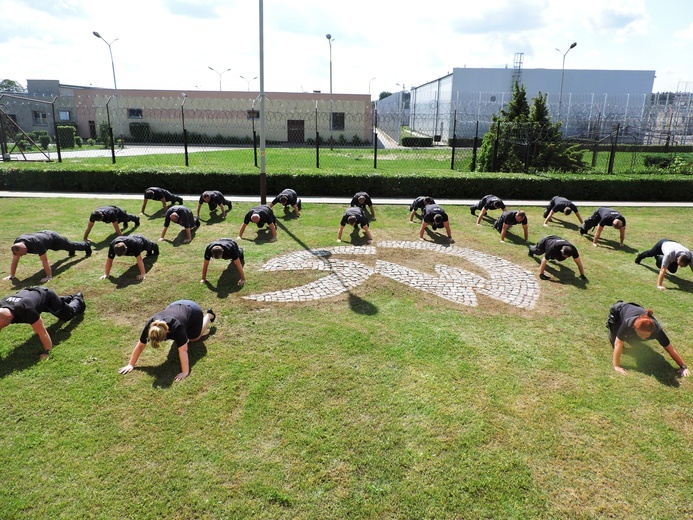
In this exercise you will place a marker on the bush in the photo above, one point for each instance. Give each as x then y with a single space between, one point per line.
78 141
657 161
91 142
419 142
66 136
140 132
45 141
104 134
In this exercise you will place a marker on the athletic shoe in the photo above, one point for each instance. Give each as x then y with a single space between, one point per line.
125 224
638 258
582 230
473 211
211 312
529 253
137 221
544 277
241 256
298 203
87 251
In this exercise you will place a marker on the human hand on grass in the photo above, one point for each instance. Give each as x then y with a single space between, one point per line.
181 376
126 369
620 370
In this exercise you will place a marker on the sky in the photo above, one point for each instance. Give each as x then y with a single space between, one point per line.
376 46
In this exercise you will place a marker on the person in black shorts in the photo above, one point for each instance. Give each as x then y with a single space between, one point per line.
27 305
434 215
629 322
224 249
669 256
160 194
562 205
488 202
289 199
38 244
110 215
182 216
184 322
510 218
604 217
361 199
260 215
419 203
214 199
555 248
355 216
131 245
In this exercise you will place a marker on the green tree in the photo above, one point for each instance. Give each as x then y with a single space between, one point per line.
9 85
384 94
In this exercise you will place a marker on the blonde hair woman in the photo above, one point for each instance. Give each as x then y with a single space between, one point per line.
184 322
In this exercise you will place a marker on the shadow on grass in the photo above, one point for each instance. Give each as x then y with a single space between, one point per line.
129 277
165 374
227 283
615 245
515 239
58 267
264 234
563 274
567 225
651 362
437 238
22 357
215 217
681 284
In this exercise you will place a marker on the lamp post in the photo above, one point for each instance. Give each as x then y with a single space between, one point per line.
560 95
115 86
248 81
369 86
220 73
330 39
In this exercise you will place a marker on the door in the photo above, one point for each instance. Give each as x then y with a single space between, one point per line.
296 130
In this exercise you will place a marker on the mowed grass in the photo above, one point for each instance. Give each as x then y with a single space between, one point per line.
382 402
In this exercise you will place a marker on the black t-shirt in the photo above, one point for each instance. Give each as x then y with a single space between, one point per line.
185 216
26 305
420 203
490 201
36 243
431 211
110 214
553 246
608 215
628 313
215 197
357 212
560 203
229 247
355 199
177 318
509 218
291 197
265 212
135 244
158 194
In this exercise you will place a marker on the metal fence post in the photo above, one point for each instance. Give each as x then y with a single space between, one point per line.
454 138
110 130
614 142
55 129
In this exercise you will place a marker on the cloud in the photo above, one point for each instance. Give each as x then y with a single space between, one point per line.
514 17
193 8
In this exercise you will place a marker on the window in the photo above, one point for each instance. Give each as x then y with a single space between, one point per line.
337 120
134 113
253 114
64 115
39 117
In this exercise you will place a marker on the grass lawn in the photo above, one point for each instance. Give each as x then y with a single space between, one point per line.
382 402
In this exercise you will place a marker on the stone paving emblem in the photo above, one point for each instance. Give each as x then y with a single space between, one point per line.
506 281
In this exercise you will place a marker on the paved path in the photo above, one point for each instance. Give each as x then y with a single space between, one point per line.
342 201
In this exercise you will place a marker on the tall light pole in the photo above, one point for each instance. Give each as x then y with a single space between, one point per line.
560 95
115 86
248 81
220 73
330 39
369 86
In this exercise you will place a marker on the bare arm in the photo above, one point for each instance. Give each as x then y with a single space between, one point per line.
622 231
239 267
367 232
504 232
46 267
205 266
117 229
542 266
597 234
163 202
447 228
13 267
618 349
273 229
163 233
339 233
40 330
546 222
133 358
422 228
411 215
198 209
107 268
578 261
577 214
372 211
88 230
242 230
524 228
184 362
144 205
189 236
481 215
660 279
298 213
140 264
683 369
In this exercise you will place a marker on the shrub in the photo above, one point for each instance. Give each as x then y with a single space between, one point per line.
420 142
356 140
78 141
91 142
45 141
66 136
140 132
657 161
104 134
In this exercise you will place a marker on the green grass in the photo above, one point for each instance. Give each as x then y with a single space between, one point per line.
383 402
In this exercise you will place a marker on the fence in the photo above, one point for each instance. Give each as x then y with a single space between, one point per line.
175 131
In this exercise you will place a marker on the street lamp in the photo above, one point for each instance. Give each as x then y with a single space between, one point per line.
330 39
560 96
220 73
115 85
248 81
369 86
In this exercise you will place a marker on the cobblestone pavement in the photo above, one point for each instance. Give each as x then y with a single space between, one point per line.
506 282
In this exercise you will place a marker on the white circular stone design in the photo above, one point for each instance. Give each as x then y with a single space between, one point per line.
506 281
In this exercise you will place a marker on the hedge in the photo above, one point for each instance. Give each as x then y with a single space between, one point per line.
666 188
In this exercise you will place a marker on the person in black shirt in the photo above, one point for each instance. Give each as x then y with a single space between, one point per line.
183 216
111 215
630 322
434 215
555 248
510 218
27 305
361 199
224 249
562 205
131 245
38 244
260 215
214 199
604 217
419 203
160 194
488 202
184 322
289 199
355 216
